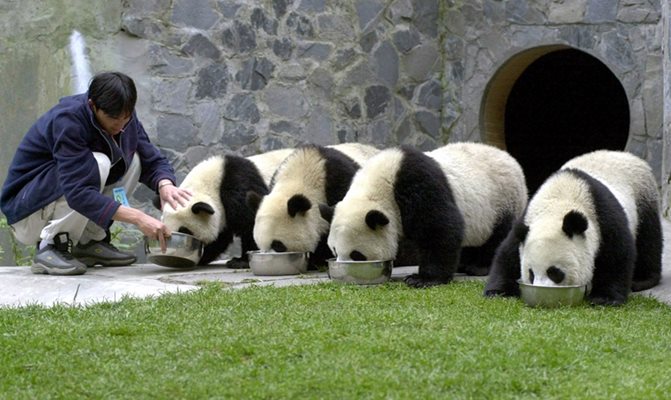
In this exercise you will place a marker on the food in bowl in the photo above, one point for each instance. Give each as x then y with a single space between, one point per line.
183 251
273 263
551 296
360 272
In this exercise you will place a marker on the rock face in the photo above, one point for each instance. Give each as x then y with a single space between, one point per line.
251 76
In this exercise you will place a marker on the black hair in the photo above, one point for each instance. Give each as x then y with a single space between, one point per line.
114 93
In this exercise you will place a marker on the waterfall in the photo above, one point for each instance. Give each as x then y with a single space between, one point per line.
81 69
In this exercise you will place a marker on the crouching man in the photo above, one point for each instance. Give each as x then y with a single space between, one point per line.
59 191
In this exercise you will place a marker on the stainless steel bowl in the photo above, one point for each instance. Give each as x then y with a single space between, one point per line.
360 272
184 251
551 296
271 263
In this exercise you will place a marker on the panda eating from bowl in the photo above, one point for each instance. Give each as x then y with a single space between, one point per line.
595 222
217 210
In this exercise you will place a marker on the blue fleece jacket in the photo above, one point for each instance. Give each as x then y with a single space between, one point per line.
55 158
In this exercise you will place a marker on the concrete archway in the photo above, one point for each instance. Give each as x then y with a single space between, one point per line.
549 104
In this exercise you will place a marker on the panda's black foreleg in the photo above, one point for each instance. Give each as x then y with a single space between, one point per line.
435 269
476 261
505 269
320 255
213 250
649 242
613 265
247 244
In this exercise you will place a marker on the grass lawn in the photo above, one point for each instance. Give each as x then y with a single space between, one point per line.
336 342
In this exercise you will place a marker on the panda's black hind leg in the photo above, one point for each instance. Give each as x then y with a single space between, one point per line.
649 242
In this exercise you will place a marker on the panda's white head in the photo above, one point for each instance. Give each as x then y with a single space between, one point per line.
203 215
366 224
363 230
287 218
198 218
560 238
287 222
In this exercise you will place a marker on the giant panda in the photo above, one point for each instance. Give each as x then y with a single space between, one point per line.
217 210
594 222
460 198
288 218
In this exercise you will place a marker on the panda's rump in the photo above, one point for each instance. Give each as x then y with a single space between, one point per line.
487 185
628 178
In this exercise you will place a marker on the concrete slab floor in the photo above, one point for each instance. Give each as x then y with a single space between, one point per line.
19 287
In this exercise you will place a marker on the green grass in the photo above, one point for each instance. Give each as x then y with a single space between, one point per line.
336 342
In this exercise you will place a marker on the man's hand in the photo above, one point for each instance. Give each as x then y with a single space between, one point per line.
148 225
172 195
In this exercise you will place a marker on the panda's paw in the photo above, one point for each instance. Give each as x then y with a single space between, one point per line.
237 263
495 293
416 281
606 301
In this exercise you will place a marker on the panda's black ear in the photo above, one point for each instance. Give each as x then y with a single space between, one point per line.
298 204
326 211
254 200
202 207
520 231
375 218
574 223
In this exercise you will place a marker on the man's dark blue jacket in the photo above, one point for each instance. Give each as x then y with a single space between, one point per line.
55 159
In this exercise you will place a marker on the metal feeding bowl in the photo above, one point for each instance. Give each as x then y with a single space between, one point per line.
272 263
183 251
551 296
360 272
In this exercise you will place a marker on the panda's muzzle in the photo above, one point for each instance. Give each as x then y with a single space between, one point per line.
278 246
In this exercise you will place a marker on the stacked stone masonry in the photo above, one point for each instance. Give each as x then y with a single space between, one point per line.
249 76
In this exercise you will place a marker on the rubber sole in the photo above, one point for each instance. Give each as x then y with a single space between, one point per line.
91 261
39 268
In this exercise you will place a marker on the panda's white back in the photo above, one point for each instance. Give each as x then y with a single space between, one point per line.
358 152
303 171
268 162
483 180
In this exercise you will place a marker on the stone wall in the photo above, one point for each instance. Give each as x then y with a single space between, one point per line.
255 75
484 38
258 75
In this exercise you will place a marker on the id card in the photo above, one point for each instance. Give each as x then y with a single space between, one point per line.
120 195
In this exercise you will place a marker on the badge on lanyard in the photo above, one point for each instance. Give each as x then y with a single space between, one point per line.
120 195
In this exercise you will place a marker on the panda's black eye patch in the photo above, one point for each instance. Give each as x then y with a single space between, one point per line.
531 276
278 246
186 230
555 274
357 256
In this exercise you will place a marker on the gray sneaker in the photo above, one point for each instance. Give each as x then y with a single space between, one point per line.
102 253
55 259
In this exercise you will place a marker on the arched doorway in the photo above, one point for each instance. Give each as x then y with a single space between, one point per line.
562 103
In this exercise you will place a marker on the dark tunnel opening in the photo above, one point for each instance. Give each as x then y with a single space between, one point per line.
564 104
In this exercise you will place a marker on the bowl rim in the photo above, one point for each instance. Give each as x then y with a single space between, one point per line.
335 261
275 253
519 281
175 234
